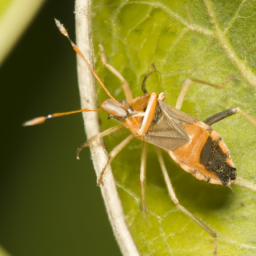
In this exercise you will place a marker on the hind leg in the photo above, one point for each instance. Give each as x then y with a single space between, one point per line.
224 114
179 206
229 112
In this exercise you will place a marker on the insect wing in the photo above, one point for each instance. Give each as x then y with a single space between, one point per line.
168 131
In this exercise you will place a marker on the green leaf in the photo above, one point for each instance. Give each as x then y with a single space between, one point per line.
15 16
208 40
3 252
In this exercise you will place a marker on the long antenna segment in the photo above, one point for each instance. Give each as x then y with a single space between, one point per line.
64 32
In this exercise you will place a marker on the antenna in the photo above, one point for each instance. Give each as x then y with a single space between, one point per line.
42 119
64 32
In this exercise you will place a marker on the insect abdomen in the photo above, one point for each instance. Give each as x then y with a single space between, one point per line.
206 156
216 158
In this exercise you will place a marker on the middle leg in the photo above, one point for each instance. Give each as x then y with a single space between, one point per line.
143 177
187 83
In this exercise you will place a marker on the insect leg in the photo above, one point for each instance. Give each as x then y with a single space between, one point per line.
188 81
229 112
143 177
112 155
126 87
149 114
179 206
98 136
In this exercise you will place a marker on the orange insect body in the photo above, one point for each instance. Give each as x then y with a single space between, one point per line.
188 156
192 144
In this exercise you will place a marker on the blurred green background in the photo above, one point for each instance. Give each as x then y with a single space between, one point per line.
50 204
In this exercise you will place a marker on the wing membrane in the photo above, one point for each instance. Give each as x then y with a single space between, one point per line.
169 132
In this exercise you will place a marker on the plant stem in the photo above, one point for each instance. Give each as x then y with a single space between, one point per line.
91 121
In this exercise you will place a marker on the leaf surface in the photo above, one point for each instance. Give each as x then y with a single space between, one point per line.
208 40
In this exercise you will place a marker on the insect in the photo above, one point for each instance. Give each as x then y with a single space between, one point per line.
191 143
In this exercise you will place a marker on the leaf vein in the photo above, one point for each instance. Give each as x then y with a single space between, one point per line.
228 49
231 22
176 17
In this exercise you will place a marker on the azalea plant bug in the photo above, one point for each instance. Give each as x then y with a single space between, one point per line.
191 143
